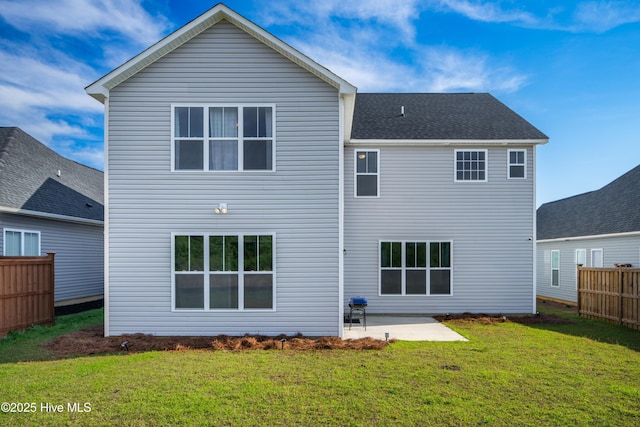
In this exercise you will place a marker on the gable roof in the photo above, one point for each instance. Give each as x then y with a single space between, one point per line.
100 88
459 117
30 185
615 208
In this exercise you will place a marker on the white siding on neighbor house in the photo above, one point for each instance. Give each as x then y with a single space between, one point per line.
79 259
615 250
490 225
298 202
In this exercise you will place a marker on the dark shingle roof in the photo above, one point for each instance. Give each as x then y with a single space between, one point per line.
615 208
438 116
28 179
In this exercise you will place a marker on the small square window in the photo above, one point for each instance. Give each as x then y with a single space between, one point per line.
470 165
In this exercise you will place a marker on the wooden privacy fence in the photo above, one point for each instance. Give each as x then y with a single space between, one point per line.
611 294
26 292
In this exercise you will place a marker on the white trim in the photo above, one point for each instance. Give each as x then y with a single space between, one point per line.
509 164
45 215
206 273
107 304
403 268
341 195
556 268
240 138
100 88
534 302
447 142
22 231
455 165
356 173
596 236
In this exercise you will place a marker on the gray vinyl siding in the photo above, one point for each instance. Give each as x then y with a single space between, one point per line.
489 223
298 202
615 250
79 249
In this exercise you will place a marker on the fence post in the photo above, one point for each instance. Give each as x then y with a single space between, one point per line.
620 287
579 286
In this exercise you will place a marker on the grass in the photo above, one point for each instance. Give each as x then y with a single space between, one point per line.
586 373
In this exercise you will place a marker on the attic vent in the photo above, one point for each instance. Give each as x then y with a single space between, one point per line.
89 205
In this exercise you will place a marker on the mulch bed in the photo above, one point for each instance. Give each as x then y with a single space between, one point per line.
92 341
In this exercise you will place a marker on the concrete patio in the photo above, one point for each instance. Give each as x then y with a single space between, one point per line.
407 328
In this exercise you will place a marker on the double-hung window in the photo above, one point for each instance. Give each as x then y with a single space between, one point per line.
223 137
555 268
517 164
228 272
21 243
367 165
415 268
471 165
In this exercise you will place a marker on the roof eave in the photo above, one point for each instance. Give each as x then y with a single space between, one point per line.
46 215
594 236
446 142
101 87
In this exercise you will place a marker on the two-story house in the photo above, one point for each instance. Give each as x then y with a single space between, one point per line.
251 190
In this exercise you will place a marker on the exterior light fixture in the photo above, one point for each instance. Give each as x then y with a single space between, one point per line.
221 209
362 156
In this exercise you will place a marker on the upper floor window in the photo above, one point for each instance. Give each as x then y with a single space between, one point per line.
223 138
471 165
367 176
21 243
517 164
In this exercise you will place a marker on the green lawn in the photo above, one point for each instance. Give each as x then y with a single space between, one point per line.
587 373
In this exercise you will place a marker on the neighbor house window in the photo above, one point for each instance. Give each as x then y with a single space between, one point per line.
21 243
555 268
415 268
367 166
517 164
223 137
581 259
471 165
232 272
597 259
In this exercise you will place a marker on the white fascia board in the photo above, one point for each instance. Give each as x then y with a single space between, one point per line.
595 236
45 215
100 88
446 142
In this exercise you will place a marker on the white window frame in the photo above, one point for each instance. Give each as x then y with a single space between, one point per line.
601 257
207 273
356 173
577 261
207 137
403 268
486 164
555 251
22 233
509 164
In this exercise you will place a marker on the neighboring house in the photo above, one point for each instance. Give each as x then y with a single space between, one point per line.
596 229
250 190
52 204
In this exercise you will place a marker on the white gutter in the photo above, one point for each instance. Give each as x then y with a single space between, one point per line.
595 236
447 142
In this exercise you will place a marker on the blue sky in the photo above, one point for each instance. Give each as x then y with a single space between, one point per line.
572 68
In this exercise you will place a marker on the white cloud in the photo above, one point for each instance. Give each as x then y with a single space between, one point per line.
489 12
602 16
93 18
